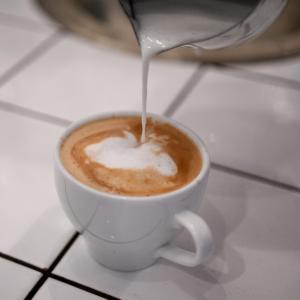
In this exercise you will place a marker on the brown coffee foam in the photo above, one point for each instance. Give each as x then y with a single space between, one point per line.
132 182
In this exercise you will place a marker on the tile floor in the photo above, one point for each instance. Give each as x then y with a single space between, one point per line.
16 280
53 289
249 117
16 43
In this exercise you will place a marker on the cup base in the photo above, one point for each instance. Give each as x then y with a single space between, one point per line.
121 264
126 268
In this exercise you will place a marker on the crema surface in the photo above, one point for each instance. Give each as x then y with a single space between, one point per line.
107 155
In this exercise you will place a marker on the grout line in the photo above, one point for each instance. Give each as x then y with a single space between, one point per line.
45 45
23 23
47 273
273 80
186 89
253 177
63 252
33 114
45 276
21 262
82 287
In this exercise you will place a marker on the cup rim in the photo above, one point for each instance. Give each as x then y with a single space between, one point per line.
101 116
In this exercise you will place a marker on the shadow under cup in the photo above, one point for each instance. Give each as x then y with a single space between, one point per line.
131 232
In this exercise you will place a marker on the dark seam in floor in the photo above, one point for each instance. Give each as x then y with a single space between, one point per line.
256 178
187 88
82 287
47 273
45 276
33 114
21 262
254 76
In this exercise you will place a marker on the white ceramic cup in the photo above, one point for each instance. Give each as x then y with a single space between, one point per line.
128 233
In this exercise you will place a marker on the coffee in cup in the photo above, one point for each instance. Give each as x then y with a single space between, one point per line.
108 156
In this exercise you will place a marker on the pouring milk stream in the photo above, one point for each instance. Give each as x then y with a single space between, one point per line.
208 24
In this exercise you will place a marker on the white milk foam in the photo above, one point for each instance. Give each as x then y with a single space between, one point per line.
127 153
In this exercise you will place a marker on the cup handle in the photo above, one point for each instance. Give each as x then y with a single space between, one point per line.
201 235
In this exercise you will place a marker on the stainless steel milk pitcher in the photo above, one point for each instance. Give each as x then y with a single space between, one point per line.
213 23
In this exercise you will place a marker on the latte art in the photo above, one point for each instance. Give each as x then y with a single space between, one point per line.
126 153
107 155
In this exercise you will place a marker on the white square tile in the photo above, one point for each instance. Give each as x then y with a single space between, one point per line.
256 231
247 125
75 79
15 44
33 226
56 290
28 9
15 281
286 68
